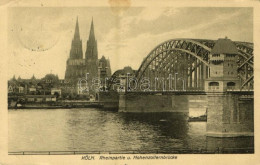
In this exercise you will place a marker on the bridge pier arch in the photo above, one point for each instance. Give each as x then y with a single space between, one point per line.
150 102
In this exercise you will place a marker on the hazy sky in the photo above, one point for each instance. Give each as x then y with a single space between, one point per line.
40 38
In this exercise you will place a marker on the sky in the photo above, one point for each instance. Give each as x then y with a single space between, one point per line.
39 39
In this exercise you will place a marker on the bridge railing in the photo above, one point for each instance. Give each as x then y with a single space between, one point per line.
172 151
162 91
240 90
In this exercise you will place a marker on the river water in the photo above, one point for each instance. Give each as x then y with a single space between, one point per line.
97 130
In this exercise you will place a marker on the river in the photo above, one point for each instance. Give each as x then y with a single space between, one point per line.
97 130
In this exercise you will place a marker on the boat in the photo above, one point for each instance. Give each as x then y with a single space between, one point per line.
202 118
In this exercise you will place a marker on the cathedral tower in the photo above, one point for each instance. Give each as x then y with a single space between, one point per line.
75 63
91 55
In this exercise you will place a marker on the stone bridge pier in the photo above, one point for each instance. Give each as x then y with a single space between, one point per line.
230 120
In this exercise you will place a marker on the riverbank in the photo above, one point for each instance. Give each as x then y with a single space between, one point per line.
58 105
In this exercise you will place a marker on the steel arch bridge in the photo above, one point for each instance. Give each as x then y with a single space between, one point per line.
187 60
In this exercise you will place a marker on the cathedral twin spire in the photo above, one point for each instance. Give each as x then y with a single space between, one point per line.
76 34
91 33
91 51
76 46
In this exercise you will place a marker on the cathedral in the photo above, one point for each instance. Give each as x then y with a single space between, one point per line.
78 67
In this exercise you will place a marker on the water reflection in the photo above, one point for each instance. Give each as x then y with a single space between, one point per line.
230 143
162 131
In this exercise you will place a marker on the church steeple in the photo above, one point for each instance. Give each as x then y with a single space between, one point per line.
14 78
76 34
91 52
91 56
92 33
76 44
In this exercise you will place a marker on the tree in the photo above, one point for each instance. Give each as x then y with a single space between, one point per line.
57 94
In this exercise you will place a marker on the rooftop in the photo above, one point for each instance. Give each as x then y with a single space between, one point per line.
125 71
224 46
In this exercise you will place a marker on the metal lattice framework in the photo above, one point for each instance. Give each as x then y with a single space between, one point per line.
188 61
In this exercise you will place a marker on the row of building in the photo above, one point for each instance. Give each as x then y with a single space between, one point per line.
62 88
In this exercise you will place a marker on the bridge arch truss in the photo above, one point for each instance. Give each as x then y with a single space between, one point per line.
187 61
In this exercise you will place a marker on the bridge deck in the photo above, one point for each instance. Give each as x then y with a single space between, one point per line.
188 92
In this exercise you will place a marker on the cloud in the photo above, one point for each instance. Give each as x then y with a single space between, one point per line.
219 20
131 50
153 13
149 14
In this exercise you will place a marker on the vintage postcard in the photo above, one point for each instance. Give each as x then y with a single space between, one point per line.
126 82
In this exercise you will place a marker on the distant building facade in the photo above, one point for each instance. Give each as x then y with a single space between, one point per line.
34 86
104 69
50 86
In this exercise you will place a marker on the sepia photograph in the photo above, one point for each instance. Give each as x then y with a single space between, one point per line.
147 82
